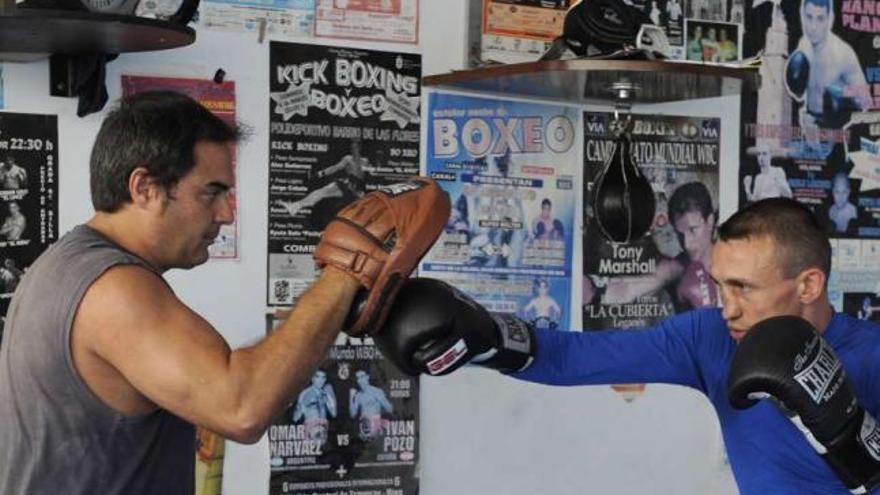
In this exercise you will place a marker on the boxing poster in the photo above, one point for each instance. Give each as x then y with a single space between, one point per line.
219 98
28 196
636 284
343 121
666 271
511 171
810 131
353 429
393 21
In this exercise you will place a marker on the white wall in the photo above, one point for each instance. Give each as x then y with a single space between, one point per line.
481 432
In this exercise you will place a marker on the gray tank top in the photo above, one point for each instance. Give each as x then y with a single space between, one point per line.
56 436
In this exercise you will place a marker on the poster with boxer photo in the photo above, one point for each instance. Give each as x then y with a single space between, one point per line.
353 429
28 195
809 131
511 171
220 99
806 130
635 284
343 121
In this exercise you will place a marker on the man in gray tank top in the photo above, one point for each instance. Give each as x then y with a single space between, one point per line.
103 371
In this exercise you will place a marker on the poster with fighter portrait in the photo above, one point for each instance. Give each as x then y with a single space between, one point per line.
811 130
511 171
343 121
635 284
354 428
28 196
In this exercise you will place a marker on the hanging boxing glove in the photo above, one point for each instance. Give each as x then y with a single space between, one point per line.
623 200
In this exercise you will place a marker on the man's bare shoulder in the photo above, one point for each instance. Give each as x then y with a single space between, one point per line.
134 285
841 49
124 299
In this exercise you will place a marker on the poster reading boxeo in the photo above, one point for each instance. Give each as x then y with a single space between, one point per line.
510 170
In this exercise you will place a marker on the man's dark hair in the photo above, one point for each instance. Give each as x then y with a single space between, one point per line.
157 130
692 196
801 241
546 202
825 4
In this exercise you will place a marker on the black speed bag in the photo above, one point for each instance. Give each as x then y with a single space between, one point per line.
623 200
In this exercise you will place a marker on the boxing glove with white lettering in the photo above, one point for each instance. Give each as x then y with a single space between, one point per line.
783 358
434 328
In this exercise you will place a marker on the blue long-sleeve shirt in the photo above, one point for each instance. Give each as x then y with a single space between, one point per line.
767 453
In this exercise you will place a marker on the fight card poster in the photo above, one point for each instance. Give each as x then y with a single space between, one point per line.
628 285
28 196
343 121
219 98
811 131
510 169
353 429
392 21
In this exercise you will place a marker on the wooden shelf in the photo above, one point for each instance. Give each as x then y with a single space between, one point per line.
30 34
589 80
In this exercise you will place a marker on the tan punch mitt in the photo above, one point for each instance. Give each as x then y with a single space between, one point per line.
379 239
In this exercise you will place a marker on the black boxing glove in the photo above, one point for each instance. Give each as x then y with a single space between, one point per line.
797 74
785 359
434 328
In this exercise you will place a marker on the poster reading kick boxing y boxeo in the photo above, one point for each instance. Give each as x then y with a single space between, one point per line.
343 121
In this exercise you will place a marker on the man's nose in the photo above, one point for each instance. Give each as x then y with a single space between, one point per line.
730 309
225 213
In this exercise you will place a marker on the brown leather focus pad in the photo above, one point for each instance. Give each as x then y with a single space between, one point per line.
380 238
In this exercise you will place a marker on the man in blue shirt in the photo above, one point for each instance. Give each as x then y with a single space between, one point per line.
771 258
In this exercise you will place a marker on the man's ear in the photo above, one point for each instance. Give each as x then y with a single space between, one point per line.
142 187
811 285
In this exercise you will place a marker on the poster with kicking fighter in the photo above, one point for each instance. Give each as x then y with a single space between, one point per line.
343 121
811 130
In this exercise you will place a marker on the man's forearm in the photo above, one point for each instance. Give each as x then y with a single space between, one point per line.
268 374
